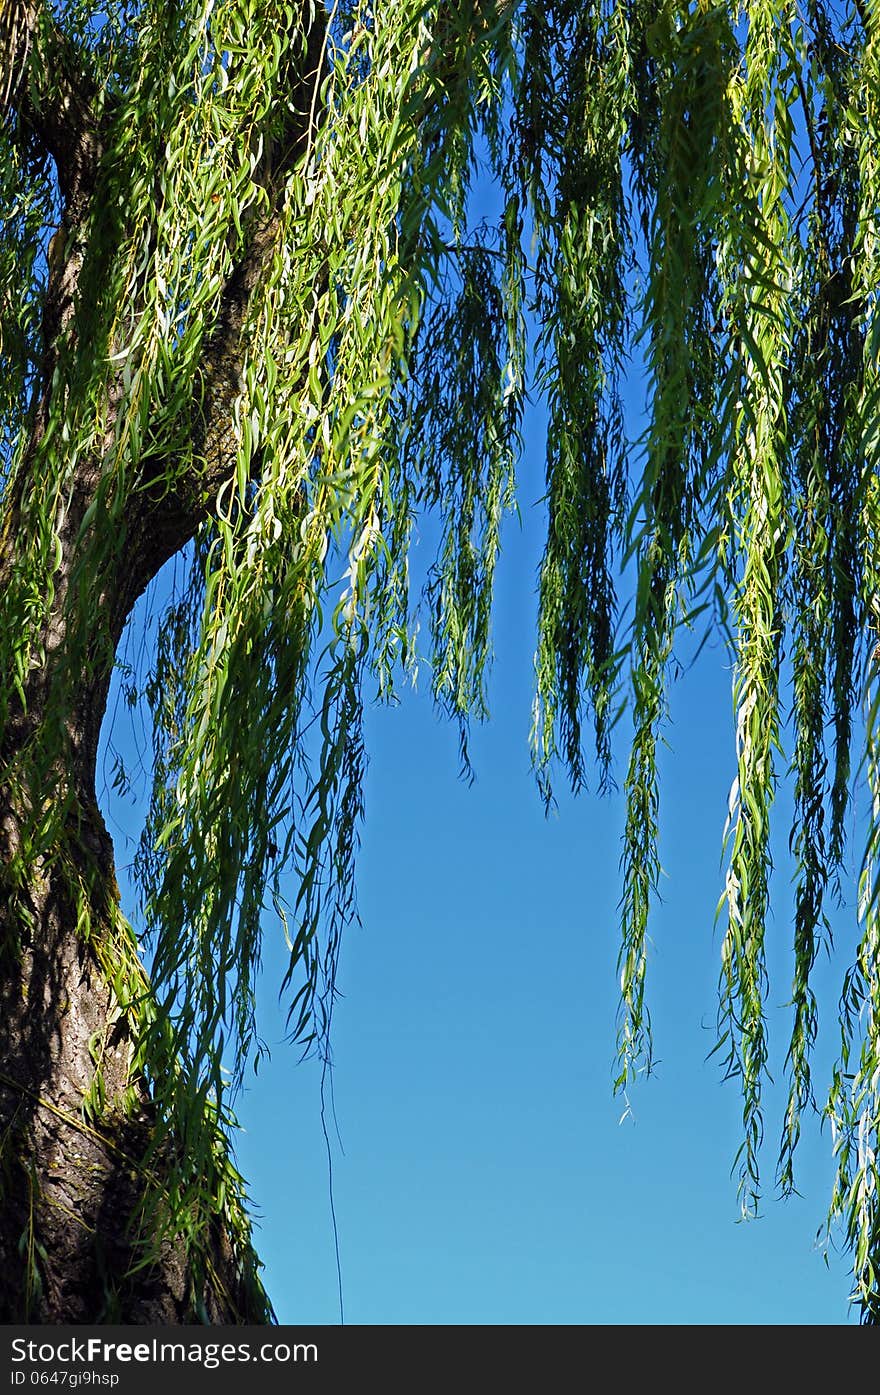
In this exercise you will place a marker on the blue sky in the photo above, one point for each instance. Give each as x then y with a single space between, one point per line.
481 1171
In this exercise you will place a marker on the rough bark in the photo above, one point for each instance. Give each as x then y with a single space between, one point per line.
71 1189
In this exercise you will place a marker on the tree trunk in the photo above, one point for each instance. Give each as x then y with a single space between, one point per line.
84 1160
83 1237
77 1158
81 1171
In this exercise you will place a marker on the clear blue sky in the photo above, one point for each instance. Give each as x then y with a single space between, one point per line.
485 1175
481 1173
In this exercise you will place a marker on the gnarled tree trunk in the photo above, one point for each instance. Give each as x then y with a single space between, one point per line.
76 1120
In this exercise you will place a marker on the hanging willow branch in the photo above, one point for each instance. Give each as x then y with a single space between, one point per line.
268 328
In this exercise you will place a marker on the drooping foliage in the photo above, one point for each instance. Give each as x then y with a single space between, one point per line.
686 193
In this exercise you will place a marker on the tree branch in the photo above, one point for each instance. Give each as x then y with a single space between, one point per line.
162 520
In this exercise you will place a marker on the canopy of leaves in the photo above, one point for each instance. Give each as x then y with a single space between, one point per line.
692 188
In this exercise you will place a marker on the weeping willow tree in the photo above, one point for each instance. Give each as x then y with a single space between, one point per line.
251 318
